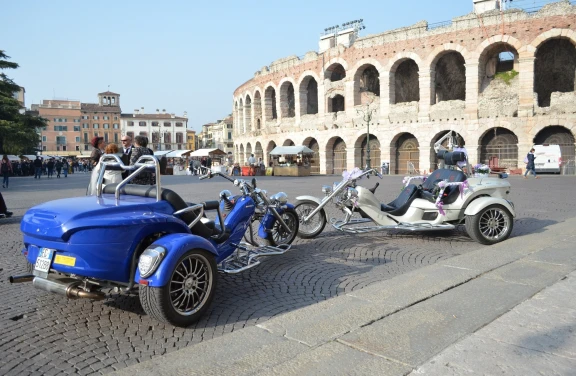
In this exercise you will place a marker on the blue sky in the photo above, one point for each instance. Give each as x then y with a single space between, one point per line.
174 54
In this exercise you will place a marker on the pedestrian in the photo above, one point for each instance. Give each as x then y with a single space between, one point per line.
6 170
139 149
4 213
37 168
203 163
209 162
58 166
529 160
99 145
126 153
65 167
50 166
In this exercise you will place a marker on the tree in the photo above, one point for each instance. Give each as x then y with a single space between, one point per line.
18 130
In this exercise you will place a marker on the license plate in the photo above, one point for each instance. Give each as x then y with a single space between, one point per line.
44 260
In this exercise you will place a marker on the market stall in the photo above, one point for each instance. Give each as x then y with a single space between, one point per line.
291 160
219 158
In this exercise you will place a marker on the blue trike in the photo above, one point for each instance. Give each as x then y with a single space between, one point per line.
147 239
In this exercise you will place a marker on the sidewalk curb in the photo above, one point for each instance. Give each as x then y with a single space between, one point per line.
347 332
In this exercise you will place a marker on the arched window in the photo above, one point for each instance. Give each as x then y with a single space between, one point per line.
554 69
335 72
287 101
450 78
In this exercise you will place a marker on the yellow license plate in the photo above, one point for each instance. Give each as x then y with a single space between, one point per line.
65 260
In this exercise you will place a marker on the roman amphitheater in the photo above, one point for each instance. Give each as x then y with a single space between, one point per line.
503 80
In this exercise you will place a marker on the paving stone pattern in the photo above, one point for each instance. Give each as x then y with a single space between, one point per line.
43 333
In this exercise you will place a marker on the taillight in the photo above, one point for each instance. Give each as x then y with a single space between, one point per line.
560 160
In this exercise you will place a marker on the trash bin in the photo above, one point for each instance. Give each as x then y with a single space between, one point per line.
385 168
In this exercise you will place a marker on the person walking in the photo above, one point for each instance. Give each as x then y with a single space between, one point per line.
4 213
65 167
6 170
50 167
58 166
37 167
530 164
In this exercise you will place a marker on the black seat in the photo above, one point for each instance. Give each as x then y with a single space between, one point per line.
177 203
401 204
450 193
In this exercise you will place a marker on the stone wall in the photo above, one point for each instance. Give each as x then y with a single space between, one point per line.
457 93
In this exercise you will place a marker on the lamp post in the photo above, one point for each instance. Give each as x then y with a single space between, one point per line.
367 117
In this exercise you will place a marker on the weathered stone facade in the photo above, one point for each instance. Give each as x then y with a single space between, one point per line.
421 82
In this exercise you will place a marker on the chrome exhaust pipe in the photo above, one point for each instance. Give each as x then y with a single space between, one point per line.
67 287
21 278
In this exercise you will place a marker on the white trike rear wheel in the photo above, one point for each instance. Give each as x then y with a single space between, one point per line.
490 225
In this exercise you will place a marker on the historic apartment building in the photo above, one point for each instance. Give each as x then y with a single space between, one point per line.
219 135
503 80
191 141
101 119
165 131
62 135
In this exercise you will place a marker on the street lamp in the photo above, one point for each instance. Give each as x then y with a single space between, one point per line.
367 117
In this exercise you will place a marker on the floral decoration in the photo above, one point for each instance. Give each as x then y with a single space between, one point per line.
481 169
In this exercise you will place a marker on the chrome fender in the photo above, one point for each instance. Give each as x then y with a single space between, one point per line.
175 245
311 198
480 203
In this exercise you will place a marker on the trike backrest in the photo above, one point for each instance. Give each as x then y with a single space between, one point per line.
441 174
150 191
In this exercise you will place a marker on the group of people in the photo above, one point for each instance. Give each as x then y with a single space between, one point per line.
130 151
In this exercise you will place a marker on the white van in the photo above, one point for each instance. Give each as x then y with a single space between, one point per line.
548 158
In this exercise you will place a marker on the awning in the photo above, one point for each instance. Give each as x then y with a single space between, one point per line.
28 156
291 150
178 153
162 152
207 152
13 158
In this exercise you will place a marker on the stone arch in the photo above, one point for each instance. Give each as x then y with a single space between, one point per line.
248 113
313 144
241 116
457 141
287 99
404 81
449 78
366 84
308 91
336 71
288 142
554 69
257 108
270 112
271 145
336 155
241 156
562 136
405 153
258 151
248 151
552 34
361 148
496 57
498 148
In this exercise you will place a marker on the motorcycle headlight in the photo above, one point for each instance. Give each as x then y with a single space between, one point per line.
280 197
149 260
352 193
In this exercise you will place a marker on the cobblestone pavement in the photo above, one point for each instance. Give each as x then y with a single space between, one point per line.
42 333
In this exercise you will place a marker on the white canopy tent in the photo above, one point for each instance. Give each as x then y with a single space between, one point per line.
206 152
291 150
178 153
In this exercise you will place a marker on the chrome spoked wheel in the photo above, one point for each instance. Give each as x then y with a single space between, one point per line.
313 226
494 223
491 225
191 284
